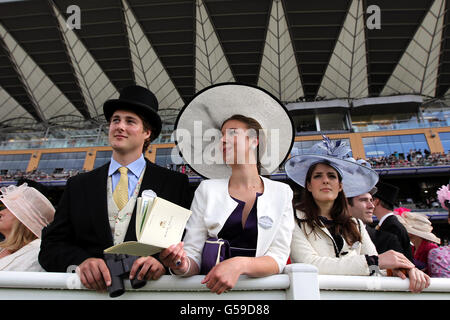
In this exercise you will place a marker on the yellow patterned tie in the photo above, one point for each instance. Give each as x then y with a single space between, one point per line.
120 194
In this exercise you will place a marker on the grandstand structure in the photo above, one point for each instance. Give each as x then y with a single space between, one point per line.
374 73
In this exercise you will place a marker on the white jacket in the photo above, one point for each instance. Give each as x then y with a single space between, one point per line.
212 205
24 259
317 248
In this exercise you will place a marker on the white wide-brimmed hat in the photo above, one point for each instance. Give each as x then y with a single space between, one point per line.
419 225
356 178
199 123
29 206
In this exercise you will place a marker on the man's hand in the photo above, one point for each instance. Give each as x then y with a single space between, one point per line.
94 274
394 260
151 268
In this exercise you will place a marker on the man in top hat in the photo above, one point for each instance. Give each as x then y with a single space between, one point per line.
388 245
384 201
362 207
97 209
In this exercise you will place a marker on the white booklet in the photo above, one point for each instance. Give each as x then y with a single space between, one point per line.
159 224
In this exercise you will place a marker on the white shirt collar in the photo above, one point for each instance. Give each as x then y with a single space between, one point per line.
135 167
384 218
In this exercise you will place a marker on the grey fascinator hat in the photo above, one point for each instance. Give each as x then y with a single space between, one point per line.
356 178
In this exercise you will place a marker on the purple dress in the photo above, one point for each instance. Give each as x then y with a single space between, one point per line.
242 240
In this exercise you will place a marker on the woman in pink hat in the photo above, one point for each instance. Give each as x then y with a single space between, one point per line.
24 211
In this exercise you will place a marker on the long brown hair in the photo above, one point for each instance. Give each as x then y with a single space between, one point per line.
253 125
342 219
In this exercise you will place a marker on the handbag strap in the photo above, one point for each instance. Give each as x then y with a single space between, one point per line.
220 242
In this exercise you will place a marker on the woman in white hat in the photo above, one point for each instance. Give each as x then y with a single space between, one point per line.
24 212
253 214
325 234
420 233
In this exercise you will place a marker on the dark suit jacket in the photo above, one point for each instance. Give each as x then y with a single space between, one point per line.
81 230
392 225
383 240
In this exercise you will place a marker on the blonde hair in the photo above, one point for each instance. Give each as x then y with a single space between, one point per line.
19 237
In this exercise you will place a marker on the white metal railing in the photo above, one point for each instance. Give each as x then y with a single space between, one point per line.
359 283
299 281
379 288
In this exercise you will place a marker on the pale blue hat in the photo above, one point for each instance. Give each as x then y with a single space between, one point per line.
356 178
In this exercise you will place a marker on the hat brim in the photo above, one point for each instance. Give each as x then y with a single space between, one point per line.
212 106
26 212
14 208
151 116
356 179
424 235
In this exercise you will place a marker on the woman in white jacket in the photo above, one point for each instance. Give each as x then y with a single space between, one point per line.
24 211
254 214
325 234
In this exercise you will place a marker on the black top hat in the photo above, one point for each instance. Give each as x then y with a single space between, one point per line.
387 192
139 100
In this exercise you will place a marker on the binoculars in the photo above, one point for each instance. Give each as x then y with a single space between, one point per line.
119 266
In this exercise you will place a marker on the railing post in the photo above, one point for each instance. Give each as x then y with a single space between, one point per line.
304 282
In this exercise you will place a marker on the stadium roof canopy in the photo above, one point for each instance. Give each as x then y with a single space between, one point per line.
297 50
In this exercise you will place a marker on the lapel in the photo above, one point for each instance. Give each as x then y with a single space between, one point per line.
263 212
221 199
224 205
301 215
372 232
264 209
388 222
270 207
335 247
98 203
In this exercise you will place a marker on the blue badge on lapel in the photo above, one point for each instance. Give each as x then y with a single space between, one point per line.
265 222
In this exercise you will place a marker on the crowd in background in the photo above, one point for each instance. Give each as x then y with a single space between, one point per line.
39 175
415 158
